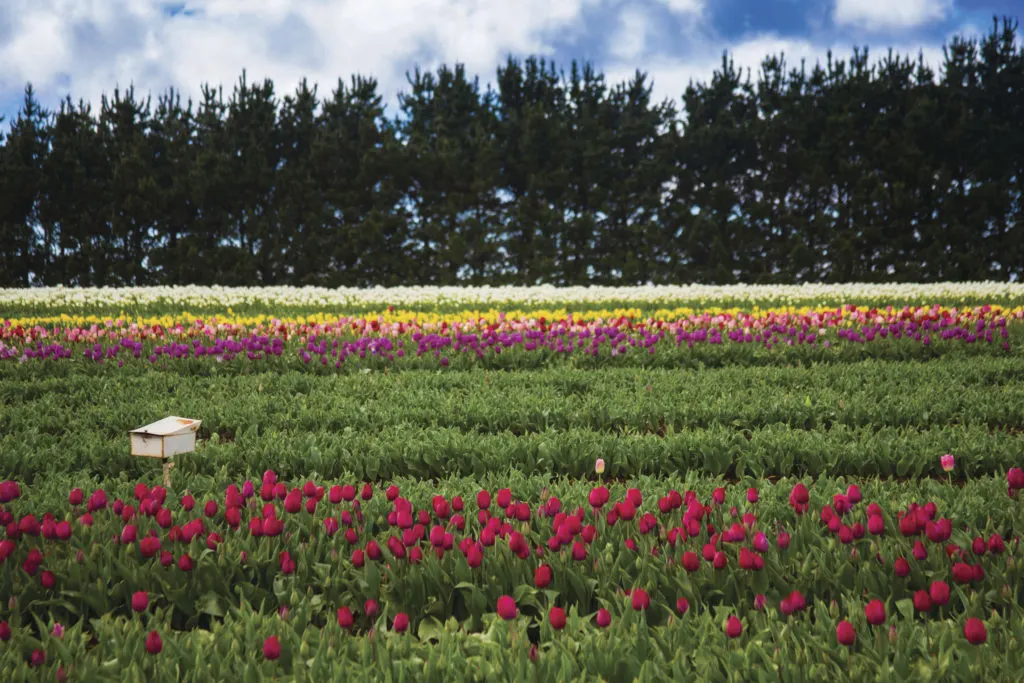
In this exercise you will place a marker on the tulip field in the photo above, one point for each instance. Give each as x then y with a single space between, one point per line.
655 483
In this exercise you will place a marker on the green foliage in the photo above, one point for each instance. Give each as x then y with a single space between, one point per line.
867 418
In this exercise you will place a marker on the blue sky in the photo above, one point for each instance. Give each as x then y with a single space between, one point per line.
86 47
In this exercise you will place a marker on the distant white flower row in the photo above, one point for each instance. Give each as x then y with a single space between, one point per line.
950 293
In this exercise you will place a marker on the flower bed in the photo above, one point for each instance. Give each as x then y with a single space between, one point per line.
888 577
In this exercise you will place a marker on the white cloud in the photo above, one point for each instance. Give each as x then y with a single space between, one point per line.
684 7
88 46
889 14
630 39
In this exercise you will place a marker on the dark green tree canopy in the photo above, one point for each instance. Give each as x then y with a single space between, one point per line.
867 169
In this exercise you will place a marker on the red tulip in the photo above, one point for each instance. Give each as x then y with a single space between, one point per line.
751 495
185 563
76 496
210 509
557 618
939 592
598 497
48 580
604 618
626 510
345 618
908 525
641 601
733 627
288 565
963 573
140 601
507 609
542 576
271 648
798 498
845 633
682 605
995 544
334 494
974 631
475 556
874 611
154 645
371 608
5 631
901 567
401 622
922 601
690 561
841 504
38 658
794 602
854 494
1015 478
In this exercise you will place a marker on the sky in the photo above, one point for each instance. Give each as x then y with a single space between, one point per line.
88 47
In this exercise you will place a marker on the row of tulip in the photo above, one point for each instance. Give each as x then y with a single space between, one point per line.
316 565
591 344
313 298
906 320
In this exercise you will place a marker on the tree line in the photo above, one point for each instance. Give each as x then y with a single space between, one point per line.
847 170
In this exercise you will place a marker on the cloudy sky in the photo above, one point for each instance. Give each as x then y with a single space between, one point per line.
86 47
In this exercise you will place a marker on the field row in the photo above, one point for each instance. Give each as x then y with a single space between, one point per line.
876 574
43 300
346 348
434 452
978 391
869 418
